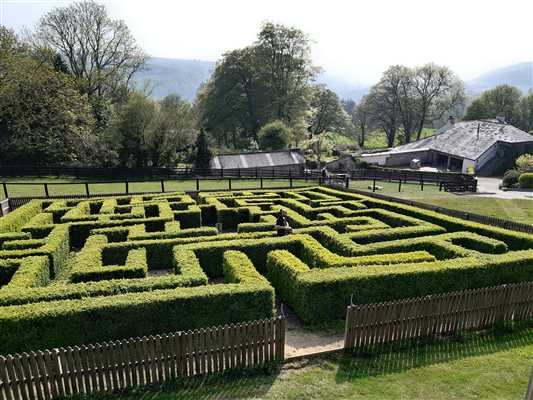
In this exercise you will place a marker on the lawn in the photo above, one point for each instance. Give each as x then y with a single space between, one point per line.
494 366
519 210
26 186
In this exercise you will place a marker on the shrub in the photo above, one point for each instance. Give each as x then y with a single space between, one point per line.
524 163
526 181
470 170
275 136
510 178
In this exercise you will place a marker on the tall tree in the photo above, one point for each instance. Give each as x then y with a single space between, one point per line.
98 50
43 118
361 121
202 157
285 62
502 100
439 91
327 113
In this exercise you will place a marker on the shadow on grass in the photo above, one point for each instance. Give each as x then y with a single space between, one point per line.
400 357
234 384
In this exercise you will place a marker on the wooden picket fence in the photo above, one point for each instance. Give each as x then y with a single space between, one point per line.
371 324
133 362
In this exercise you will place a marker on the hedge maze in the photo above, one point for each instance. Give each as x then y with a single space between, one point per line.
92 270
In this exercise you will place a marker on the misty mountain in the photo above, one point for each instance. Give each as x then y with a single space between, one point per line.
519 75
168 75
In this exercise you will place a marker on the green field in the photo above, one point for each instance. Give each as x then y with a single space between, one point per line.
26 186
519 210
494 366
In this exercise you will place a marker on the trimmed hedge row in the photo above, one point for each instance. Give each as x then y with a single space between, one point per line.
69 322
15 220
30 272
319 295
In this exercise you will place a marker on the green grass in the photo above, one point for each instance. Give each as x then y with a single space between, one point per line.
490 366
519 210
77 186
378 140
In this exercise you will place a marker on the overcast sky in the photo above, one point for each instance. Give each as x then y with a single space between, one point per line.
357 40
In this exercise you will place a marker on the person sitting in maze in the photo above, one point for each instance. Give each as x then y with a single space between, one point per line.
282 225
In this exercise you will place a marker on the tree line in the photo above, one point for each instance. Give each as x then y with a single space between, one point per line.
68 97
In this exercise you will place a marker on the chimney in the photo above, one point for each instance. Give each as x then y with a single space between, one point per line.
451 119
501 119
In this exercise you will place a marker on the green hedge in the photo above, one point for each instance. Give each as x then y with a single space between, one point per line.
30 272
70 322
238 268
15 220
191 218
526 180
319 295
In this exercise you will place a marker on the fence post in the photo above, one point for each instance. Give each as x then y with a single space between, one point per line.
222 172
529 392
348 340
347 182
197 184
261 182
127 187
229 183
256 172
374 185
87 189
273 173
400 185
162 185
422 184
290 182
186 172
4 184
46 190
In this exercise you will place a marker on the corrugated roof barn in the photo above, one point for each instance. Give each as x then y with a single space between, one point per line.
266 159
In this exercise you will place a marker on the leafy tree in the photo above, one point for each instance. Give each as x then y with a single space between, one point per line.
327 112
202 157
502 100
439 91
348 105
43 118
526 113
284 59
232 100
275 136
269 80
99 51
361 120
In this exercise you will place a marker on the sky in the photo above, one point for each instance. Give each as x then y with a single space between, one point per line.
352 39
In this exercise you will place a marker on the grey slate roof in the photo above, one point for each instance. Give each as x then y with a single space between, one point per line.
461 138
258 159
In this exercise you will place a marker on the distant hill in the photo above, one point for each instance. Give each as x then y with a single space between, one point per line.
170 75
519 75
183 77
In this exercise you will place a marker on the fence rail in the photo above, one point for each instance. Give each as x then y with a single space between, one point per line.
134 362
449 312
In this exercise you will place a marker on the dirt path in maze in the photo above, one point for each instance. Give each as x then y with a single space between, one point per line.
300 341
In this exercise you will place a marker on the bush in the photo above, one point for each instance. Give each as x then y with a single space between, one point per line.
275 136
470 170
526 181
510 178
524 163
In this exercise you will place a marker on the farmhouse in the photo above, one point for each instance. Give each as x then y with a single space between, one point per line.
282 160
484 145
